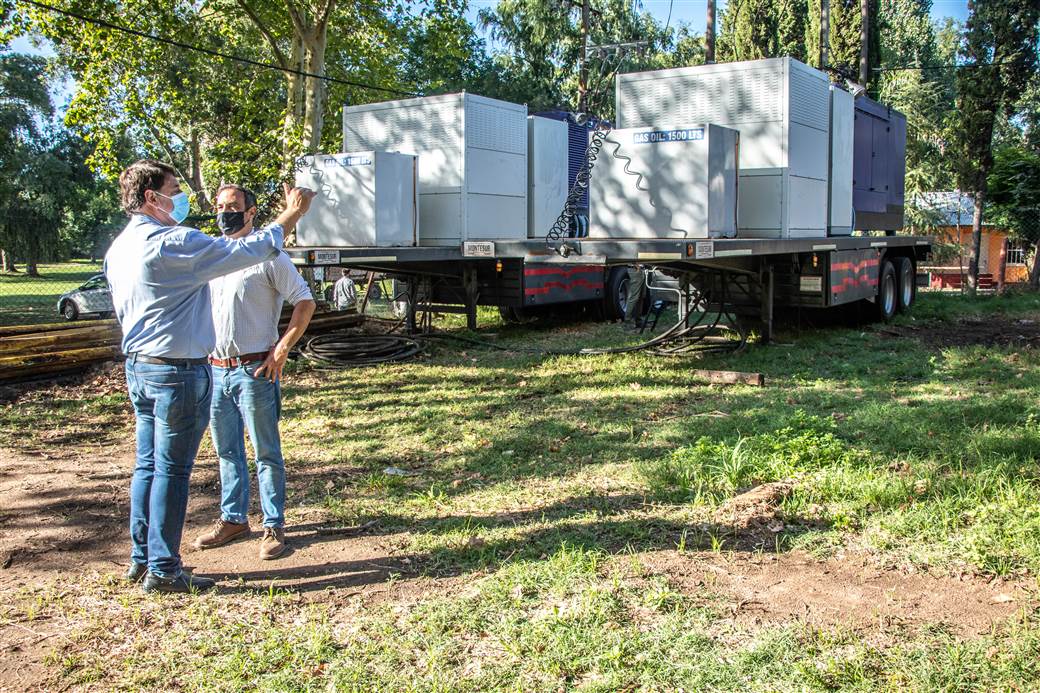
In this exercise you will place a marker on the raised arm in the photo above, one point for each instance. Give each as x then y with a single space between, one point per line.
206 258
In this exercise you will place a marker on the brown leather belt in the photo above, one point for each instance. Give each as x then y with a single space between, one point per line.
236 361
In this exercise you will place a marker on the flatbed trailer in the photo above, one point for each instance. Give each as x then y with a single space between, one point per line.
750 278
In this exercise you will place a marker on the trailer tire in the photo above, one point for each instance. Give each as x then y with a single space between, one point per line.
887 297
617 290
906 283
517 315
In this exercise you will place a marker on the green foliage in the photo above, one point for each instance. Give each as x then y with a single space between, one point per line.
50 202
1000 52
542 49
709 470
1014 192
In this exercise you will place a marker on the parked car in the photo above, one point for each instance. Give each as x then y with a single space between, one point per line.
93 297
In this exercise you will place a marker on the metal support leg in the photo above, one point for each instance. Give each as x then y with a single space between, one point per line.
413 302
767 305
469 280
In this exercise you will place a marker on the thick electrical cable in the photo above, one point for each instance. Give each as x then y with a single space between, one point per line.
209 51
348 350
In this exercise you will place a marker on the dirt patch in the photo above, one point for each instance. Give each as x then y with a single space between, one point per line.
850 591
990 331
65 514
754 511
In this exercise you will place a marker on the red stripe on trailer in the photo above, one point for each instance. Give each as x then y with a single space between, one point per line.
850 282
855 266
549 286
560 271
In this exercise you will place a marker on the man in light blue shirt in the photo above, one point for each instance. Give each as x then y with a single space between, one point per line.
159 273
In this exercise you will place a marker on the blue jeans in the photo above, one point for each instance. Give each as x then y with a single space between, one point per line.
242 402
171 404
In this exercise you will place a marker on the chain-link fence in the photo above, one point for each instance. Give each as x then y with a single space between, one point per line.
51 292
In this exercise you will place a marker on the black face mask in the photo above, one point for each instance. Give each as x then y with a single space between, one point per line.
231 222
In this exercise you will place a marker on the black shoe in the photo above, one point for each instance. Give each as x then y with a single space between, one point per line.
184 583
136 572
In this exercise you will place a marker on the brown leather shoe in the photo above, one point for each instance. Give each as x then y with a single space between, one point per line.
222 533
273 543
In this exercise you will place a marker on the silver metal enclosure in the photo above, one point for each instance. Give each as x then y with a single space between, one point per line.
472 161
781 108
364 199
666 182
546 173
843 123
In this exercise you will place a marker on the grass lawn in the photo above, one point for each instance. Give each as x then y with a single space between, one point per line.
27 300
550 499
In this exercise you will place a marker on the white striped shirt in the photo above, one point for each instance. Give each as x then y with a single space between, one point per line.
248 303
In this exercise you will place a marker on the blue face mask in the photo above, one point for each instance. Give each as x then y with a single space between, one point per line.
181 205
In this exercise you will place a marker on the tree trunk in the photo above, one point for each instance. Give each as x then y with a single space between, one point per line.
293 106
198 183
976 243
1034 270
314 91
825 33
709 34
1002 267
30 268
864 37
6 262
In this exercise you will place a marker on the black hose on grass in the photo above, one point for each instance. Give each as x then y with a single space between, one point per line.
344 350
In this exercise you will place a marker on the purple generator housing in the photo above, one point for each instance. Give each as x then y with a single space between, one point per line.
878 166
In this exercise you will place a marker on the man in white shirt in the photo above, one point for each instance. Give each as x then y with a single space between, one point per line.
247 367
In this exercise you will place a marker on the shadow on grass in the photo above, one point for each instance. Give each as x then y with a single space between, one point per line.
610 535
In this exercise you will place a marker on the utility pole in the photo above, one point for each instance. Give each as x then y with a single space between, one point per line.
864 42
583 72
825 32
709 35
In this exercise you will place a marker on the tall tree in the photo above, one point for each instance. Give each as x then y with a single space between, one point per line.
1000 53
25 107
1014 192
213 118
541 49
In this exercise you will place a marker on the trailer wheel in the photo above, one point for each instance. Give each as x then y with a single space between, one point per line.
617 294
906 281
887 299
517 315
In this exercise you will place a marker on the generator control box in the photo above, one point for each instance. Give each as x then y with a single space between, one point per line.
364 199
672 181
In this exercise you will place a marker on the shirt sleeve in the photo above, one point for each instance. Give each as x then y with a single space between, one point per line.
208 258
287 281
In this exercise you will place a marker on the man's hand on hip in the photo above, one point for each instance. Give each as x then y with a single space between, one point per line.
272 366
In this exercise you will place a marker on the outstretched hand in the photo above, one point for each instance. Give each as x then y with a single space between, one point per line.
297 200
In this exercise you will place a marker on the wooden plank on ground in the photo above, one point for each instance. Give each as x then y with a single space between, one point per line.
731 377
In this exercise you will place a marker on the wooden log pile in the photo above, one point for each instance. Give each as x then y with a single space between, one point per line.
28 351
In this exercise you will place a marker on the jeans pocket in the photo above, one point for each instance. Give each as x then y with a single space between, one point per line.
170 400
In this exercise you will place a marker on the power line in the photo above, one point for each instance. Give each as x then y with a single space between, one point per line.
209 51
954 66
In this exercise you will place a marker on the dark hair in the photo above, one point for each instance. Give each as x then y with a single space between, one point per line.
249 195
145 174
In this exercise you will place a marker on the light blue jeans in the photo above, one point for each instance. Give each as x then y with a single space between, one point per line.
171 404
242 402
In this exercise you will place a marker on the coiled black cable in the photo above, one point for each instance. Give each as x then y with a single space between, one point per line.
346 350
561 227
